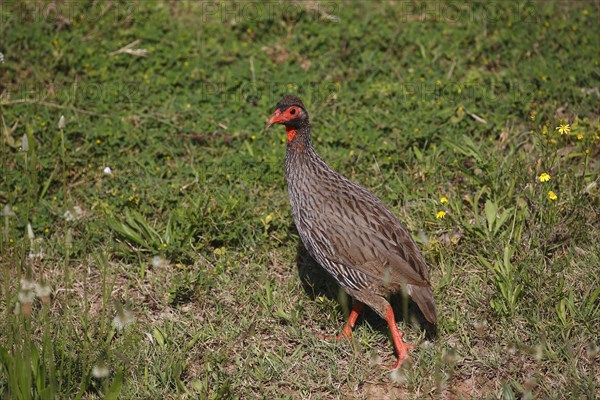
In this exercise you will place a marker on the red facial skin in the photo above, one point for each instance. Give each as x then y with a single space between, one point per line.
279 117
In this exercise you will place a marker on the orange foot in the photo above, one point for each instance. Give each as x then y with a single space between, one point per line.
401 347
346 333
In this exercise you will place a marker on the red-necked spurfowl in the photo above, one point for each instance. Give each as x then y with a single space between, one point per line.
349 231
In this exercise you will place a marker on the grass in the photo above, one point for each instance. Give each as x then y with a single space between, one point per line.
178 273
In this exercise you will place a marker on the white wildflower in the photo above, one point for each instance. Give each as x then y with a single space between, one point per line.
42 290
73 214
107 171
26 296
398 376
123 319
158 261
26 284
61 122
480 326
100 371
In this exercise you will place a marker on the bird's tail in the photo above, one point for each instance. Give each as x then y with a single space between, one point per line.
423 296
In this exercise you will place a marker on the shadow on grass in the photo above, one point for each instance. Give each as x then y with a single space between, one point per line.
317 282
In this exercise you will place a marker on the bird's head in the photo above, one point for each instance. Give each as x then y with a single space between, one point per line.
289 112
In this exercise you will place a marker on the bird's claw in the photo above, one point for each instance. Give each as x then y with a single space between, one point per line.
343 335
402 356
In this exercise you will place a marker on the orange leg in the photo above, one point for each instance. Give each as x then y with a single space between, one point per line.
401 347
357 307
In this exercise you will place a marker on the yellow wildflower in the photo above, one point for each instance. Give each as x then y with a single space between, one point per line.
532 115
545 130
563 128
552 196
268 218
440 214
444 200
580 136
544 177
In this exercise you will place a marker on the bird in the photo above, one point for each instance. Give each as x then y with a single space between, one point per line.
350 232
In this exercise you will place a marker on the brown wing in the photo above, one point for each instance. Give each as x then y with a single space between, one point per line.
364 234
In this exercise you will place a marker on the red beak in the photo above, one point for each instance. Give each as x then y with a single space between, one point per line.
276 118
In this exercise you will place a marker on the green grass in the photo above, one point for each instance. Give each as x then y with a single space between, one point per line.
191 240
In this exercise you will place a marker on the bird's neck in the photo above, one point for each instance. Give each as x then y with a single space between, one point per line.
301 159
298 138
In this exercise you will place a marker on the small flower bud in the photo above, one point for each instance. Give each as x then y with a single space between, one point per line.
25 143
61 122
7 212
69 239
26 297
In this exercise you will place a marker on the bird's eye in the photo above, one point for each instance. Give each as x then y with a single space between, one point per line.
293 111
